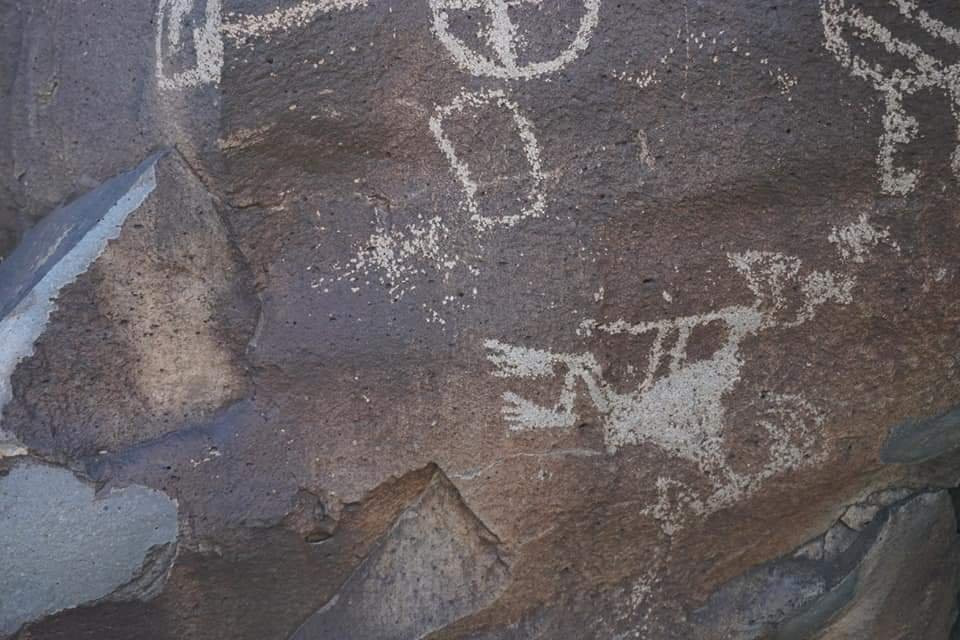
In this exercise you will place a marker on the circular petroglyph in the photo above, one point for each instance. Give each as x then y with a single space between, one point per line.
504 38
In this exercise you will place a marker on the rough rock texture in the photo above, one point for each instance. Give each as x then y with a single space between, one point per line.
436 565
489 319
894 574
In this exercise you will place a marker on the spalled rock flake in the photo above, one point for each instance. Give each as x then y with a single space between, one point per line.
65 546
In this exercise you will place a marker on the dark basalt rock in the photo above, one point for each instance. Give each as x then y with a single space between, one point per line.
438 564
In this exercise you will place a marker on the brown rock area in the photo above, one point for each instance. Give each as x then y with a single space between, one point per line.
480 319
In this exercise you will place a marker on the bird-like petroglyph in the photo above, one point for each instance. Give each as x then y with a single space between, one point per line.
681 411
678 405
845 24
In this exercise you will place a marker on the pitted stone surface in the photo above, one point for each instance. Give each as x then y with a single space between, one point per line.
437 565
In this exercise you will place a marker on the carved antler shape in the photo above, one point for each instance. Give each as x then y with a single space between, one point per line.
899 128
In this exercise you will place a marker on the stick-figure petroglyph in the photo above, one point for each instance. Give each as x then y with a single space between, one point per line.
531 150
503 37
681 411
841 19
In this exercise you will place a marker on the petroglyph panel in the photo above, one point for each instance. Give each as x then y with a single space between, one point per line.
676 405
486 319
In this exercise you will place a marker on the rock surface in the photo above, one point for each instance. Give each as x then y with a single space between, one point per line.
482 320
64 546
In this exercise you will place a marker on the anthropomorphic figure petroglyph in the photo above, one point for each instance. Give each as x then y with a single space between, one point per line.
843 21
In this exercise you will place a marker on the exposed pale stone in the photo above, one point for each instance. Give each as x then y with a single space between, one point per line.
64 546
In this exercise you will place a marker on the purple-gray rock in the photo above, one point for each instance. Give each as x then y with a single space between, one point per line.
482 319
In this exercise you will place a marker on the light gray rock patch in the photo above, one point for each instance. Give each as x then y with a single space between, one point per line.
63 546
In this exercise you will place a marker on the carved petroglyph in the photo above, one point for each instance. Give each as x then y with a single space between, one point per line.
691 48
502 34
398 255
504 38
393 255
531 149
681 411
190 36
841 21
201 61
855 240
172 44
242 26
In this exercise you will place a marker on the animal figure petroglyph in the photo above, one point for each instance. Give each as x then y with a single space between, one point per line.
842 21
681 411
